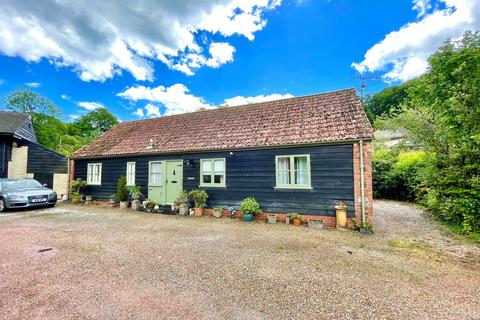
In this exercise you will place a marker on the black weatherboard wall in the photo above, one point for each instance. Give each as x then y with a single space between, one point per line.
43 163
249 173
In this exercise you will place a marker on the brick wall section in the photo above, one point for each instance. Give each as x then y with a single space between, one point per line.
367 174
71 173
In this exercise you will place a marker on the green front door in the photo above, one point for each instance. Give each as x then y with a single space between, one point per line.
174 180
156 181
165 180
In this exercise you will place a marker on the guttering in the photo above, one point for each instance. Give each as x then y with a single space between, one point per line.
362 182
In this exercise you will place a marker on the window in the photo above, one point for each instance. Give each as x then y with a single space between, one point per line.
212 172
293 171
155 176
130 173
94 173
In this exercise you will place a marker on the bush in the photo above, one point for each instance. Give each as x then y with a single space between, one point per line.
401 175
250 206
122 191
77 186
199 197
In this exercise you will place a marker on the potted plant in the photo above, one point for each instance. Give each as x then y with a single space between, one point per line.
136 194
249 207
272 218
112 200
183 203
200 199
296 218
150 204
75 190
217 212
287 219
122 192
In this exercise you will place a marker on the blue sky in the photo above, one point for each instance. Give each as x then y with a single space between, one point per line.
170 59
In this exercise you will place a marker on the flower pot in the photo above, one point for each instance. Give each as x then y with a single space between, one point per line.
198 212
88 199
75 200
217 213
136 204
315 223
183 209
297 222
247 217
123 204
287 220
112 203
272 218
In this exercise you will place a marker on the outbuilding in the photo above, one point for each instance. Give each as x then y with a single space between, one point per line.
302 155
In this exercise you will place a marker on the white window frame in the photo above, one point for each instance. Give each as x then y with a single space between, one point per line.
212 173
131 173
90 174
292 185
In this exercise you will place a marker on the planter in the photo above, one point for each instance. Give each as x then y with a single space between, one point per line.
198 212
247 217
316 224
217 213
136 204
287 220
297 222
112 203
341 215
88 199
272 218
183 209
123 204
75 200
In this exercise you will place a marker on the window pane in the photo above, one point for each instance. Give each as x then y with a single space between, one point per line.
206 166
219 166
284 170
301 170
155 173
218 178
207 178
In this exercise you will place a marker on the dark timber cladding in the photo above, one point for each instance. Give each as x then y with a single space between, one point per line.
248 173
43 163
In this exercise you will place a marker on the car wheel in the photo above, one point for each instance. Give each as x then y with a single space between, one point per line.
3 206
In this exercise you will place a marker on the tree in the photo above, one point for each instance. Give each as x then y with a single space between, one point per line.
27 101
442 113
95 123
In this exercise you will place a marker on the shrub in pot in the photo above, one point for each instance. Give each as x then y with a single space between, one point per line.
249 207
122 192
183 203
296 218
136 194
217 212
112 200
200 199
150 204
76 190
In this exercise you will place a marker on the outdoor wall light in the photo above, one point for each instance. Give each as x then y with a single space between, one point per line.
188 162
231 153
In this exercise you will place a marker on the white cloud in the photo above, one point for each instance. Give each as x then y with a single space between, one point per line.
240 100
74 117
404 53
139 113
100 39
175 98
152 110
66 97
33 84
90 106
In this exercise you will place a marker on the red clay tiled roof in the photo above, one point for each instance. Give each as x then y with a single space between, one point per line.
326 117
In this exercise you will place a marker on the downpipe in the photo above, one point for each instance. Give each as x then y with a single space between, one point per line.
362 181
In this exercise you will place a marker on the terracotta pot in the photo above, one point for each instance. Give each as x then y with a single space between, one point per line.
198 212
75 200
297 222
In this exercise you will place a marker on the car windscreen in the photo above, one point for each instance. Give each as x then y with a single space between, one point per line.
20 184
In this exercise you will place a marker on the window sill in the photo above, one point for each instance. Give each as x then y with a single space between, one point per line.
211 186
293 188
93 184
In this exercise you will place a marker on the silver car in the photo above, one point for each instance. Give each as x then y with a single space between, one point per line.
25 193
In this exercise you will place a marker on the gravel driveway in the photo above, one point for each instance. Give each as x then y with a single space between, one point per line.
112 264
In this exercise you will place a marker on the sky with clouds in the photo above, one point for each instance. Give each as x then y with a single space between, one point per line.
149 58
